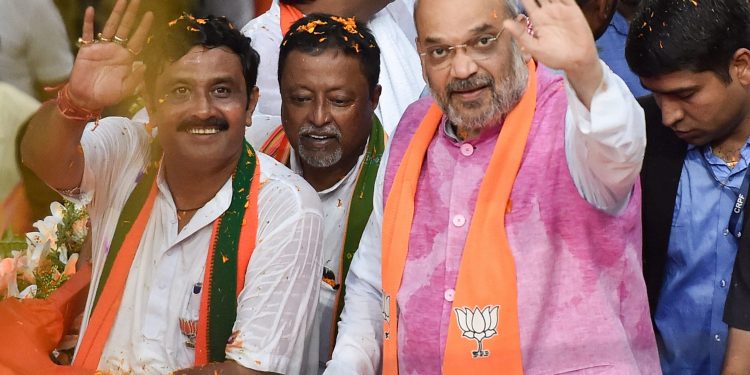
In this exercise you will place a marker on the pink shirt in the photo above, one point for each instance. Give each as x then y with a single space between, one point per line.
582 299
581 296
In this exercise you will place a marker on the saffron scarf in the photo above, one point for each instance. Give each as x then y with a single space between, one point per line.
232 244
277 146
484 337
289 15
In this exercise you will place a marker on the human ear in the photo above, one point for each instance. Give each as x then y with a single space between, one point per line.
252 102
740 66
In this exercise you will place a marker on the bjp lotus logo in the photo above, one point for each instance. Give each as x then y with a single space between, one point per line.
386 308
478 325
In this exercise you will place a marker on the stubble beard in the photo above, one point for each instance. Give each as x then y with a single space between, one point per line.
320 158
505 94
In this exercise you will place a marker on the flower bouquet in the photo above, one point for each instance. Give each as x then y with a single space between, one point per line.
42 290
50 255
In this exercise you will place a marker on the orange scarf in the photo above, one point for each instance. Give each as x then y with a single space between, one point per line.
103 317
277 146
289 15
484 337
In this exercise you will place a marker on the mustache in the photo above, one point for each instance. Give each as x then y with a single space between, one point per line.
469 84
328 130
194 122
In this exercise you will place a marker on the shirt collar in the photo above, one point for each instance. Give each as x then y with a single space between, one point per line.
450 132
620 24
205 215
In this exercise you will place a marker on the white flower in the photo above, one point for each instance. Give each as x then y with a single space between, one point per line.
62 251
37 248
48 226
28 292
57 210
478 325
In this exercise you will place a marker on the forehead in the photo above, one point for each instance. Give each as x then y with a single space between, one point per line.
331 68
466 17
680 80
202 63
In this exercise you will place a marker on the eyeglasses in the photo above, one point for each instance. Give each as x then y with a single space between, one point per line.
478 48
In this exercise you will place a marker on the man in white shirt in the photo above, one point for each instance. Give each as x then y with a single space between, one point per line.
205 255
34 47
393 27
15 108
328 74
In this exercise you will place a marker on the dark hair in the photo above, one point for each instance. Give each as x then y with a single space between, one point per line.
173 40
318 32
667 36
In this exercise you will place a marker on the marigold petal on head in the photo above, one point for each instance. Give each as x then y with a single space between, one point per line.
350 24
310 26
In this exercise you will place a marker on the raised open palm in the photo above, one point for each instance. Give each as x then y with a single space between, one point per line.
103 73
561 39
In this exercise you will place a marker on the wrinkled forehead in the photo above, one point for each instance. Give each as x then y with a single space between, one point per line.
452 20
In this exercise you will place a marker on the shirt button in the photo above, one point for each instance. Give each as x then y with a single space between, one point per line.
459 220
467 149
717 337
723 283
726 232
449 294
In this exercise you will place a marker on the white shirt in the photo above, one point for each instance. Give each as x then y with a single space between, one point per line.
15 108
34 45
335 201
604 150
275 311
400 69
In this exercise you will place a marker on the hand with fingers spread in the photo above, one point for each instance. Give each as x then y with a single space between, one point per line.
561 37
562 40
103 73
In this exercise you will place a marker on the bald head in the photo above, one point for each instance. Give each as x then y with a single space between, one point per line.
437 9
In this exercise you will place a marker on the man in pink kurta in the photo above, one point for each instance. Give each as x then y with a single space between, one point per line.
573 220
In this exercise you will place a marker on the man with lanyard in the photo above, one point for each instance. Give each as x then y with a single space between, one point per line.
391 24
505 209
328 75
696 61
205 253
